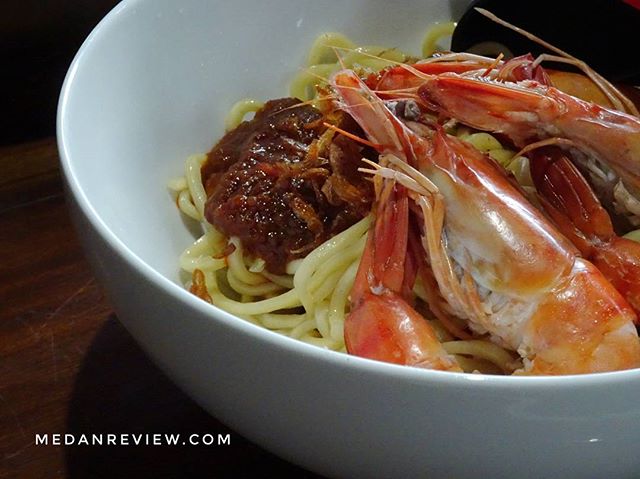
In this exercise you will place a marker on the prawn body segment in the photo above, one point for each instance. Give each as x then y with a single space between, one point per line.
408 77
503 241
504 247
583 326
527 111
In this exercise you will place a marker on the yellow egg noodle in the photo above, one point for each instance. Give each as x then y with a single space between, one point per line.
310 301
239 110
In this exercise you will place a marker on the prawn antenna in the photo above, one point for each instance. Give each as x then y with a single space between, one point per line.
549 141
619 99
351 136
338 54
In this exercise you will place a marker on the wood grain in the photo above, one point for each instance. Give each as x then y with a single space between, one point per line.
68 366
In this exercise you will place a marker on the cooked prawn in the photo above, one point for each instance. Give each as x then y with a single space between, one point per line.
499 264
569 198
528 111
382 324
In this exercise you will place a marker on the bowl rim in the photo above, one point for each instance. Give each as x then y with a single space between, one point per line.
213 313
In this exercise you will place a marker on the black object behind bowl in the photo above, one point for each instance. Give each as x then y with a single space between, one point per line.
603 33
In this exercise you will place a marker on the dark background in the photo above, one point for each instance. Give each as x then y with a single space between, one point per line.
38 39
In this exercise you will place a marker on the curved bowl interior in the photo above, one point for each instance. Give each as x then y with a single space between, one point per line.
151 86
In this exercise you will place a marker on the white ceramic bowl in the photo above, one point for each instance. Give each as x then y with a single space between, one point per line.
150 86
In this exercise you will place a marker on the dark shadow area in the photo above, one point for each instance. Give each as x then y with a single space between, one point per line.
119 391
572 29
39 39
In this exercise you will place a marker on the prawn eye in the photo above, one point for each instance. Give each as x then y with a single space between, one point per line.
617 21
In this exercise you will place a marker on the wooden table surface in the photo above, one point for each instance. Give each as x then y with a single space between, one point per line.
68 366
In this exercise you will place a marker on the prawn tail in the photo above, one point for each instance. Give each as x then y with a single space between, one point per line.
619 262
393 264
386 263
571 203
569 199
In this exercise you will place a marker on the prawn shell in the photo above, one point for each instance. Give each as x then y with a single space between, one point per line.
506 244
585 326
